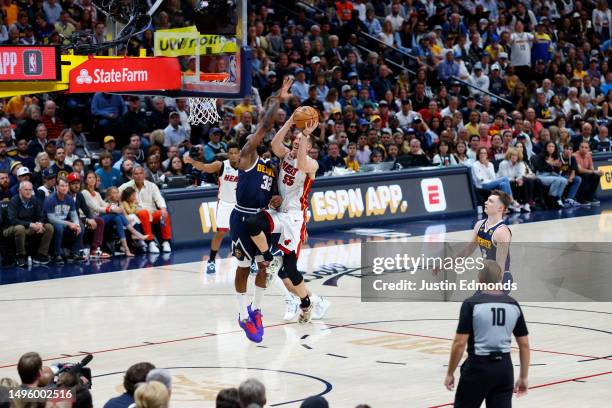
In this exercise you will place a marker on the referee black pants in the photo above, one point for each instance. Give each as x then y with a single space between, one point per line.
482 379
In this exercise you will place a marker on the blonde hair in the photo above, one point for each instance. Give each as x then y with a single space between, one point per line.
514 150
157 137
39 156
109 191
152 394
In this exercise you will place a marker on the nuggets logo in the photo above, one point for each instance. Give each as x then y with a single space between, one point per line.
238 252
485 243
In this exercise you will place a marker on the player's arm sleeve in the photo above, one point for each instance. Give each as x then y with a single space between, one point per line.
465 318
520 328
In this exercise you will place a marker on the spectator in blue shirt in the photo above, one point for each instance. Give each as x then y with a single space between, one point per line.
109 176
300 86
134 375
448 68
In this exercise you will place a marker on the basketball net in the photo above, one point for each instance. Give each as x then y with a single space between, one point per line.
204 110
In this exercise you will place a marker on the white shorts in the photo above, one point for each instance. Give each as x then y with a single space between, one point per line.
222 216
291 226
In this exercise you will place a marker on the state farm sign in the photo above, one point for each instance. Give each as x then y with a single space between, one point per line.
126 75
29 63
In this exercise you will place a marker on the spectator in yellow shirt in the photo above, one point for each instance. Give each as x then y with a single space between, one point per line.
351 159
11 11
64 27
17 105
244 106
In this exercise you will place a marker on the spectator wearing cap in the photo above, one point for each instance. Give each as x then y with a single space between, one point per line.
107 109
39 143
134 121
479 81
175 134
25 217
60 167
23 174
46 179
300 87
270 86
153 209
313 100
15 166
348 99
109 146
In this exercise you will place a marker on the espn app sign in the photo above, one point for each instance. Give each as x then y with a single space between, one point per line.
433 194
29 63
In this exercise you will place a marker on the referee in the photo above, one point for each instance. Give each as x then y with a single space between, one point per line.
486 323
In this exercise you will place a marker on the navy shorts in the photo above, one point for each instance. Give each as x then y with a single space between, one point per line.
243 248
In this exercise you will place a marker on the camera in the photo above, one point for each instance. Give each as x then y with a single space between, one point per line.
194 153
78 370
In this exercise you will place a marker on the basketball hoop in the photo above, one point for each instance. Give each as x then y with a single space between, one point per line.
204 110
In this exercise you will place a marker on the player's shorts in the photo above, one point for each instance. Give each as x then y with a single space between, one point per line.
291 227
224 210
243 247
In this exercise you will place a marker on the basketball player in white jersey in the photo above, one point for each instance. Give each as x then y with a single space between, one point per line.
227 171
296 174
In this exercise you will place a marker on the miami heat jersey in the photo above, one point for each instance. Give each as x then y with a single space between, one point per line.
293 185
228 181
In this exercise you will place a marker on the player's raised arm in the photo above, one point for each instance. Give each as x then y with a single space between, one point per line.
306 163
248 154
278 148
213 167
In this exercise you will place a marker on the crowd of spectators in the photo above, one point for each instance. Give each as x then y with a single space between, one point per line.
519 91
145 386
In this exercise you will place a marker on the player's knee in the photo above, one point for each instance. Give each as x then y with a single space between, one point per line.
256 224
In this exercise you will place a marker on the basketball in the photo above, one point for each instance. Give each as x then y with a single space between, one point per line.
305 114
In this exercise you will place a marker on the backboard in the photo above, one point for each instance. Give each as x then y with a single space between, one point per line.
202 54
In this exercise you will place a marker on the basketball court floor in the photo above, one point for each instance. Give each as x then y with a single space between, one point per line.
171 313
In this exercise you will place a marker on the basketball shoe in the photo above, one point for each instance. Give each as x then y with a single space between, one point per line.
250 330
255 316
306 315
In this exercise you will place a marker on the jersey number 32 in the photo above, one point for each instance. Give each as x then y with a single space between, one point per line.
267 183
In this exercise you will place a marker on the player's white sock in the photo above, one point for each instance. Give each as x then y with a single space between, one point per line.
259 293
241 298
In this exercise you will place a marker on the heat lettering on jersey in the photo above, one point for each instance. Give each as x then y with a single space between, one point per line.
231 178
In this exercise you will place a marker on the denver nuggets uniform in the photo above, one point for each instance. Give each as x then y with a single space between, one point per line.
290 219
226 198
253 193
488 247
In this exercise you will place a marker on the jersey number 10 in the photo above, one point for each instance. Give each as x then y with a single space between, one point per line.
499 316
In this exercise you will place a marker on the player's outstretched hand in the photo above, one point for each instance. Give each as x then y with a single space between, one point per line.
310 127
284 91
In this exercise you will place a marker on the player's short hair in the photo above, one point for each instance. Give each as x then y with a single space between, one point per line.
505 199
136 374
233 145
491 272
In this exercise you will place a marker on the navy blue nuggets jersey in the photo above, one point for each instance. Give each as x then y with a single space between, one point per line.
486 244
254 189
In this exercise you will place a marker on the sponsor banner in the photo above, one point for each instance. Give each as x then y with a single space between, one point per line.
178 42
604 163
125 75
29 63
342 202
